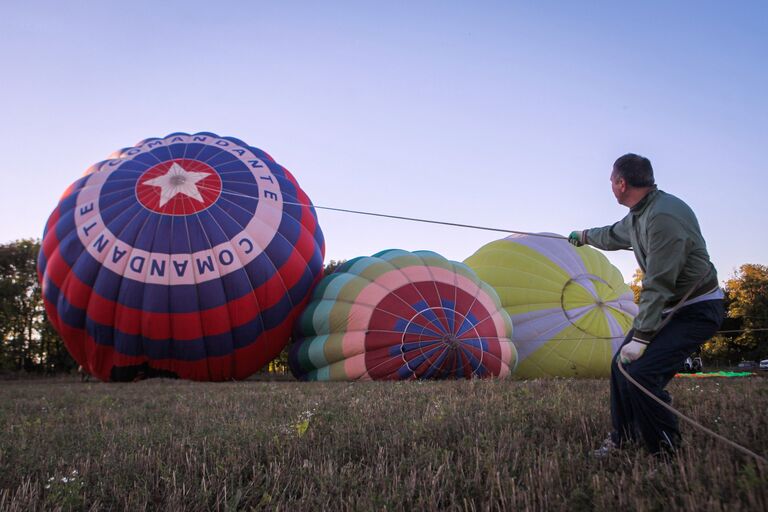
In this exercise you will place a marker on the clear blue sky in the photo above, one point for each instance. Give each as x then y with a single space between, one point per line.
507 114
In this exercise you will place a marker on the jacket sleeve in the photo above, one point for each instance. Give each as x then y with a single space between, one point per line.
611 238
667 253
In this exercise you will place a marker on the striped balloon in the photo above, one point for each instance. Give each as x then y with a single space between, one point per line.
187 256
570 306
402 315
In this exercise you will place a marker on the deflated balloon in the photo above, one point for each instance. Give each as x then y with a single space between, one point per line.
402 315
570 306
187 256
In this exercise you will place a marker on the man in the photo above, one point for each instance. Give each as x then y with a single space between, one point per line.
670 250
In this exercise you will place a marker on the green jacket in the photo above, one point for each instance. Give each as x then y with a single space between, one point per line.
665 236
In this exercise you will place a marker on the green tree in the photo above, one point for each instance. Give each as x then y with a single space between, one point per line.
19 303
746 305
748 302
331 267
279 364
28 342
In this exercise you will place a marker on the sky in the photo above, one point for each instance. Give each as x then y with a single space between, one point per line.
500 114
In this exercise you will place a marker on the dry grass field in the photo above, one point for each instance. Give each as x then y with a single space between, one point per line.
460 445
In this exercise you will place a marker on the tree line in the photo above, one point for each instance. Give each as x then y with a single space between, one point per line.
29 343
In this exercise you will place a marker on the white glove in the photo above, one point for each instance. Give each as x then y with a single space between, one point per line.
633 350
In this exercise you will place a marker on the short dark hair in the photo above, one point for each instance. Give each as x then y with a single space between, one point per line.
635 169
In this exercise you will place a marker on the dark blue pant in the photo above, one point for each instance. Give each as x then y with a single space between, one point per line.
635 415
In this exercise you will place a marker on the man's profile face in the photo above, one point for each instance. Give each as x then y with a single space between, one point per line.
618 186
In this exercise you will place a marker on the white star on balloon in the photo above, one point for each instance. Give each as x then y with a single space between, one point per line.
178 181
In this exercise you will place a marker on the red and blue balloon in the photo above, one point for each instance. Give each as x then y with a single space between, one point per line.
188 255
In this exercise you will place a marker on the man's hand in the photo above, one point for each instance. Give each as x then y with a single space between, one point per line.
635 348
577 238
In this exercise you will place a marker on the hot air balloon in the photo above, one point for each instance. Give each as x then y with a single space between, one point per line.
570 306
186 256
402 315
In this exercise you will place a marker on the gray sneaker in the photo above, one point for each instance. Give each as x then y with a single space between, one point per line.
606 449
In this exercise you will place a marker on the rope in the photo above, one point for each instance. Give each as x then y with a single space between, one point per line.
743 330
414 219
595 337
693 422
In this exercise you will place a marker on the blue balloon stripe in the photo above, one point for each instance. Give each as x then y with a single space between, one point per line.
133 344
122 218
239 211
469 322
42 261
162 244
65 227
236 141
240 194
192 150
404 373
70 249
51 293
67 205
449 308
421 330
424 309
458 365
473 362
149 231
478 343
227 225
433 325
161 153
262 155
213 232
133 167
130 227
436 367
74 316
178 150
418 345
192 227
69 201
420 359
180 350
209 154
225 164
148 159
403 325
125 205
223 158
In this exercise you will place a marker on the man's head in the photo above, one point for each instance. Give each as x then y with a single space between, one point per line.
631 179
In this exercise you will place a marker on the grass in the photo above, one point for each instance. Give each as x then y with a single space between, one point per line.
466 445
